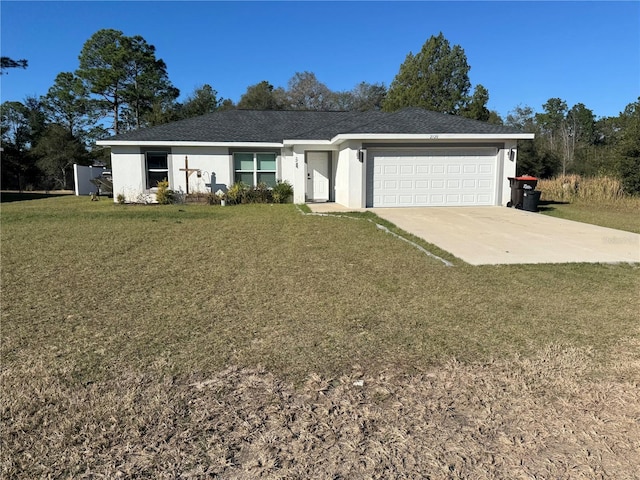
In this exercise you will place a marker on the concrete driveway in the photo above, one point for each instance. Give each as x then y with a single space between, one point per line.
500 235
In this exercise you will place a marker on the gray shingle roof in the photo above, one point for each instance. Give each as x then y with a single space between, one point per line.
274 126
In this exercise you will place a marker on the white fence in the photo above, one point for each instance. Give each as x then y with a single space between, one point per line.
82 177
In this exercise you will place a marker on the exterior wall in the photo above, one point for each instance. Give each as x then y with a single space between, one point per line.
129 174
289 170
509 161
127 168
350 176
294 170
215 164
297 170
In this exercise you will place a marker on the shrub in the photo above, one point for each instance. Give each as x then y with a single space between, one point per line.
240 192
121 199
237 193
282 192
213 199
164 195
259 194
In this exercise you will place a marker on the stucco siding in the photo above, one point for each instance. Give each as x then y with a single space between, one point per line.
127 166
288 169
214 163
508 163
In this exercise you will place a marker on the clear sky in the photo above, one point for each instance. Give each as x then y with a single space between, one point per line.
522 52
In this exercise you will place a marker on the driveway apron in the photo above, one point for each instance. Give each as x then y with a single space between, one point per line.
500 235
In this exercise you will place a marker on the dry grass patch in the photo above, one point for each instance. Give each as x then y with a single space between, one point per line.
571 188
537 417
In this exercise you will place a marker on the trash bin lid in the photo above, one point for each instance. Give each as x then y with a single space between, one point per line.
526 177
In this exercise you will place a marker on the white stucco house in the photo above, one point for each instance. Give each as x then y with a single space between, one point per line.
412 157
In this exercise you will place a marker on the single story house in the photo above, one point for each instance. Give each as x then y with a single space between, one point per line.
411 157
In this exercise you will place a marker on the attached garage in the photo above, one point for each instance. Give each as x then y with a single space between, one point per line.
455 176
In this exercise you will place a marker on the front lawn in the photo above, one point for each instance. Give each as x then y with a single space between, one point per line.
131 334
623 214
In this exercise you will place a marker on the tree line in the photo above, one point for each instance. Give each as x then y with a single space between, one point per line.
573 141
121 85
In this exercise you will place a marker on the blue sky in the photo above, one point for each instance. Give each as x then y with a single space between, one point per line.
522 52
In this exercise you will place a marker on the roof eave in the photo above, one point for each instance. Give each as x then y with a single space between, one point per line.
431 136
335 140
164 143
290 143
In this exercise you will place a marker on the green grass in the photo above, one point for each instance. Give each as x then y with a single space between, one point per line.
91 288
622 215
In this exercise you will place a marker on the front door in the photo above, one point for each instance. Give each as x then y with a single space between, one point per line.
318 176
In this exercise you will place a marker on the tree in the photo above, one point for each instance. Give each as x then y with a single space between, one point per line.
67 103
147 80
306 92
57 150
262 96
227 104
124 74
14 125
15 137
21 125
203 100
7 62
553 130
533 158
163 111
476 107
578 136
495 118
102 68
552 119
364 96
436 78
567 132
628 149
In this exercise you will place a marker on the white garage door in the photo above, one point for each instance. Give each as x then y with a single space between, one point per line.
431 177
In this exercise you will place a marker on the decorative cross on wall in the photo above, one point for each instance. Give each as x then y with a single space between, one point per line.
188 171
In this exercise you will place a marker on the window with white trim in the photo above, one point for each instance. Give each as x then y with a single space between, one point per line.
157 168
253 168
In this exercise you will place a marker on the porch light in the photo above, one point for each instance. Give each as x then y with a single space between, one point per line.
361 154
512 154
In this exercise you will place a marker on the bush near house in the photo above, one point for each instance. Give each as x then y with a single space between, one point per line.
164 195
241 193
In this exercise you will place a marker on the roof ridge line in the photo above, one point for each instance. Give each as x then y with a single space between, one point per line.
352 113
360 125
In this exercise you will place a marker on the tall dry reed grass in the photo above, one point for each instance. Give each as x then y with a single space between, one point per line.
574 188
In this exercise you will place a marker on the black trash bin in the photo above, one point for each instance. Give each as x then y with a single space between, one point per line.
519 185
531 198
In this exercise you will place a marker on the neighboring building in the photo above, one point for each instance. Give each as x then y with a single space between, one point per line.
412 157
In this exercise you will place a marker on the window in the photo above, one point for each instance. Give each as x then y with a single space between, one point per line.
157 168
254 168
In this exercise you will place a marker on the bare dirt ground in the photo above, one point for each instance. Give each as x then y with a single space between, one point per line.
551 416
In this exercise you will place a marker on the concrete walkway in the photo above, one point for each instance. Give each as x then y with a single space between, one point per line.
500 235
